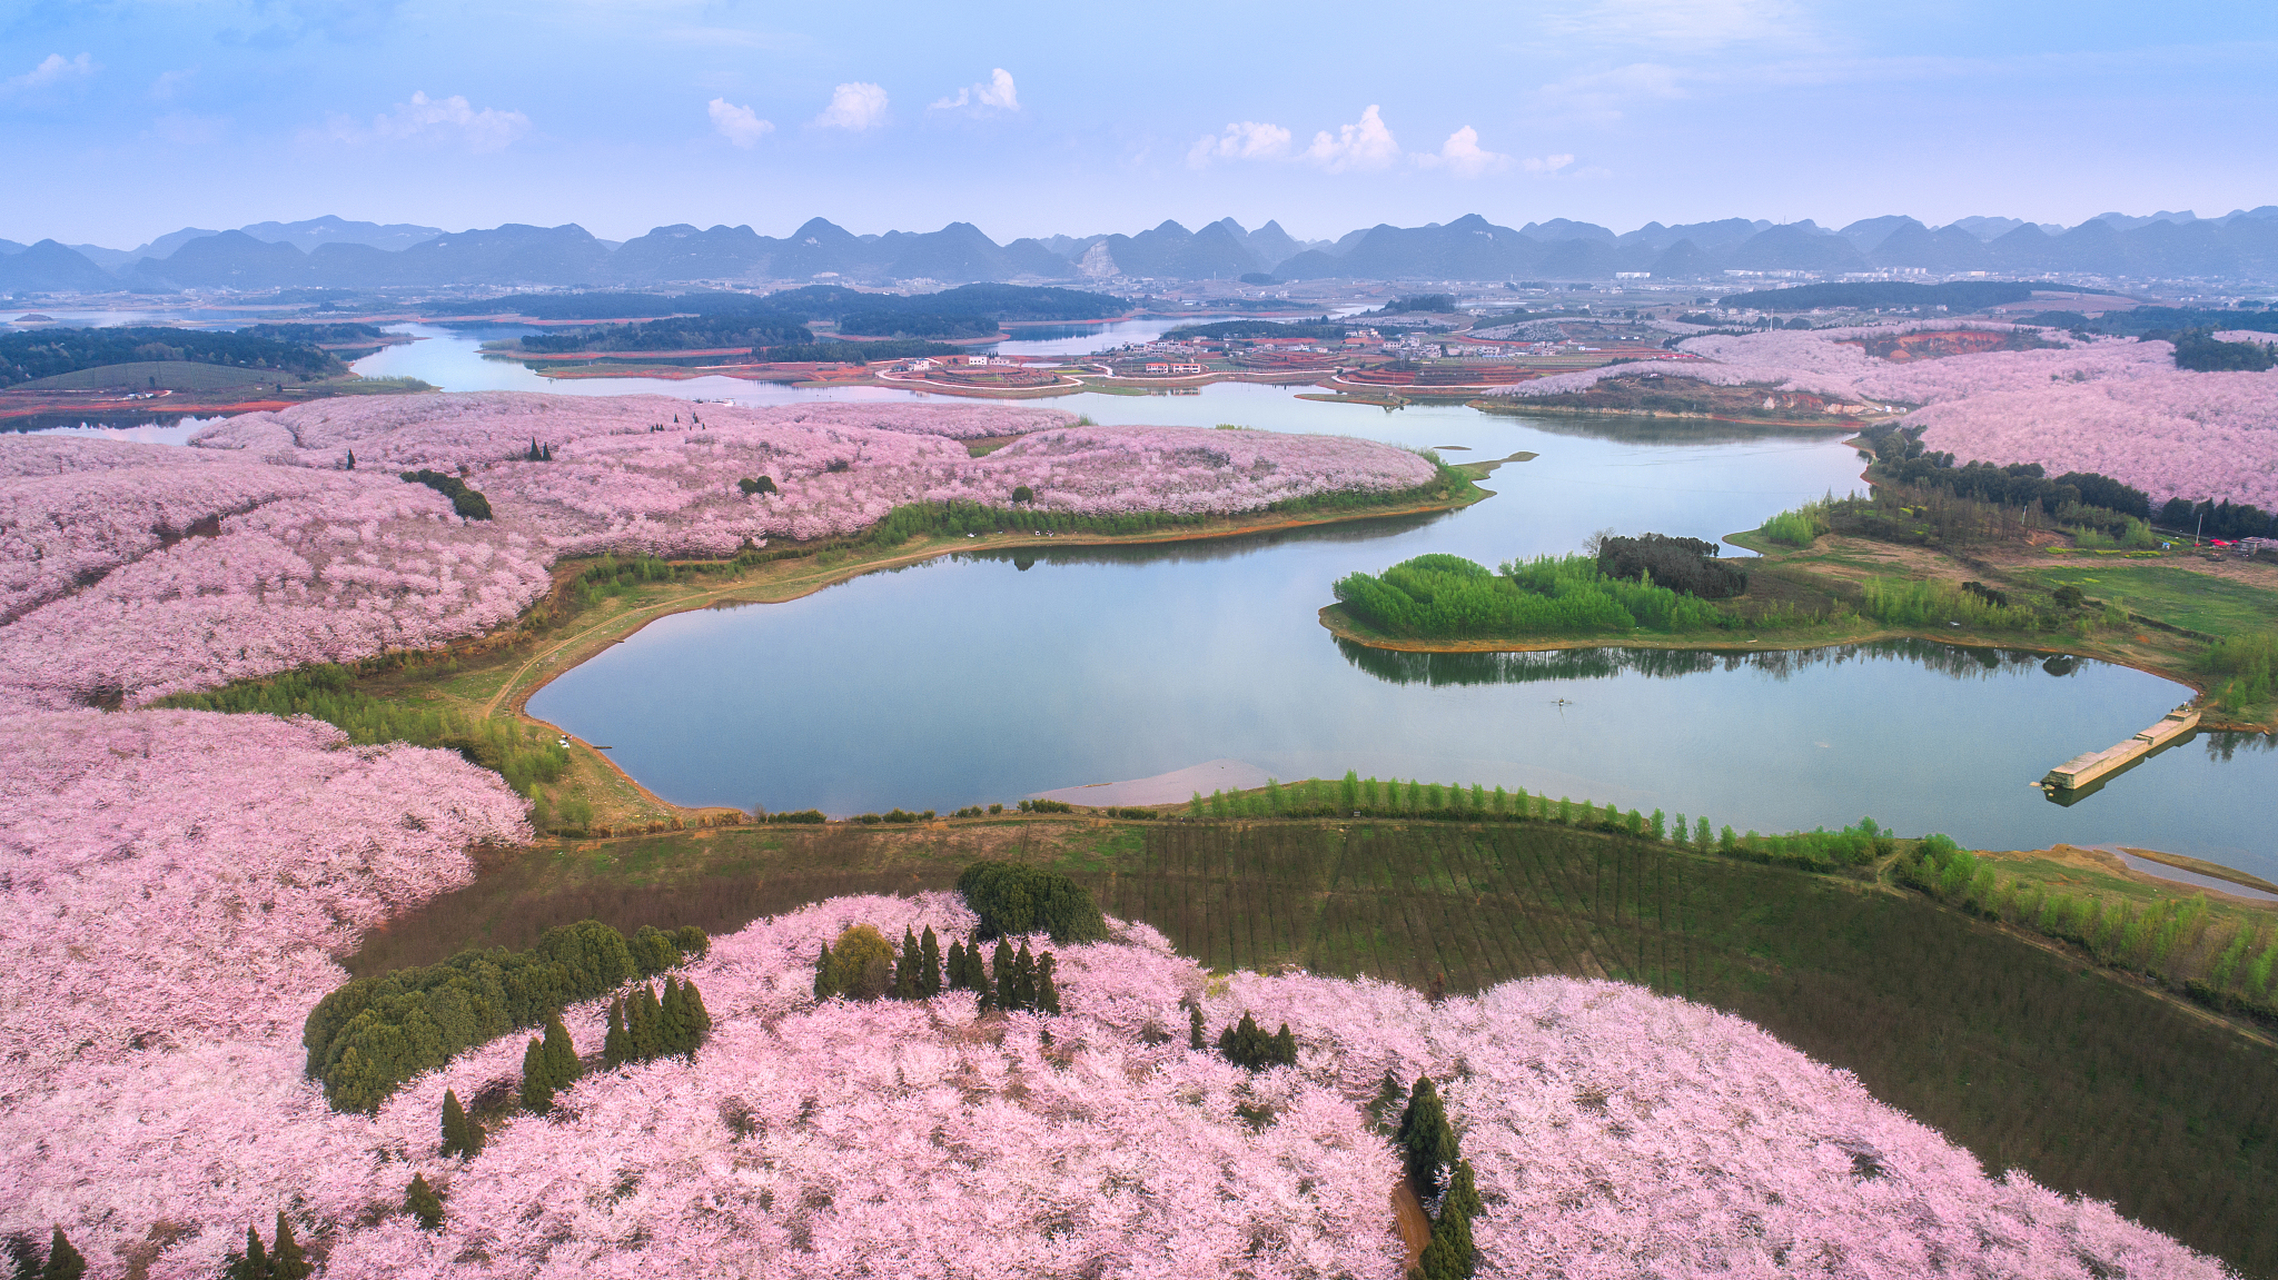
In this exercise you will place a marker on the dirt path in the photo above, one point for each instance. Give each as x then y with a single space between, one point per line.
1415 1227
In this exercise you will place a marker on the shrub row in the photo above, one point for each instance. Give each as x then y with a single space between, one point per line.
369 1036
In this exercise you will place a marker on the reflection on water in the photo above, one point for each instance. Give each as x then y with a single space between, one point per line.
1438 670
2223 744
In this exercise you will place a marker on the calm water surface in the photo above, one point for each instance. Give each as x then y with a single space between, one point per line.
986 678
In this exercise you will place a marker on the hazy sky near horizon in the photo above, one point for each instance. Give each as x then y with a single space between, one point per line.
125 119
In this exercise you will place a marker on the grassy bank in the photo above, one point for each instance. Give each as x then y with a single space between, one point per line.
470 696
2020 1047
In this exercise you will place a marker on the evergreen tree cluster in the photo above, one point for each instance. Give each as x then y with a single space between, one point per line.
60 1261
1435 1165
754 486
370 1035
281 1261
537 452
1012 899
1009 980
1248 1047
643 1027
462 1136
465 501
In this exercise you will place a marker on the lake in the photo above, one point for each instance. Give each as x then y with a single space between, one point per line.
975 679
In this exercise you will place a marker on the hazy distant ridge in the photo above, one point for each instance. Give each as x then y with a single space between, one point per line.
331 252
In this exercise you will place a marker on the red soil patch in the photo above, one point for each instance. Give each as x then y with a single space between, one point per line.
1932 344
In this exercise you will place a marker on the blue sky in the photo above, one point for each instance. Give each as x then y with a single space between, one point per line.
124 119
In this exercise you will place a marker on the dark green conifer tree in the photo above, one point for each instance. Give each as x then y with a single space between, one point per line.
956 965
1047 995
907 984
1023 979
422 1203
1284 1047
537 1081
929 964
1451 1254
287 1261
672 1020
63 1261
461 1137
562 1065
616 1046
824 987
1426 1141
1001 963
249 1263
643 1023
699 1019
1194 1037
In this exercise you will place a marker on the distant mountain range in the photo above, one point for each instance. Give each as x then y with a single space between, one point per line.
331 253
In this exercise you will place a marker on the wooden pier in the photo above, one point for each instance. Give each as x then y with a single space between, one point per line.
2084 770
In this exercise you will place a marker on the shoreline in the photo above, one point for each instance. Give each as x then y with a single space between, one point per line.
795 578
1334 620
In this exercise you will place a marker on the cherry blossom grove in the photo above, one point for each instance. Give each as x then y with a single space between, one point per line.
131 571
2113 406
1614 1133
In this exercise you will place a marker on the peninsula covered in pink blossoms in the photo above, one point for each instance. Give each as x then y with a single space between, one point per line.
134 571
2114 406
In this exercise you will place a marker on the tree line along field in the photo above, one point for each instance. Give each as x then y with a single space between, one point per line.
2022 1051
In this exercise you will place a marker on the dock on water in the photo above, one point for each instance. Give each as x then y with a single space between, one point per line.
2083 770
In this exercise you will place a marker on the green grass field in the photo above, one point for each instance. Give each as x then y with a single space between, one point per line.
2030 1058
2173 594
160 375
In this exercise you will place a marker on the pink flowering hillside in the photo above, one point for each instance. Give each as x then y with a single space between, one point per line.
131 571
2112 406
172 886
1613 1133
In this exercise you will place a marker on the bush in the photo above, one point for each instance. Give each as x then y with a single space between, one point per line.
861 961
1012 899
1046 806
368 1036
1688 565
1244 1045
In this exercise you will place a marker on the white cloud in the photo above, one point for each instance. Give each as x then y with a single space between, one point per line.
1462 156
856 107
997 95
1695 26
52 70
1546 165
1246 140
451 119
430 121
1365 144
1599 97
170 83
739 125
186 130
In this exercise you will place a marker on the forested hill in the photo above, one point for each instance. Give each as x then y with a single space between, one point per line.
701 321
43 353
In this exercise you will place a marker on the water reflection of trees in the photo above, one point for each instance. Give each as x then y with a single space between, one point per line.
1441 669
2222 745
1625 429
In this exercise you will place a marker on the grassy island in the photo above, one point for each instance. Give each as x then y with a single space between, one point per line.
1906 562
